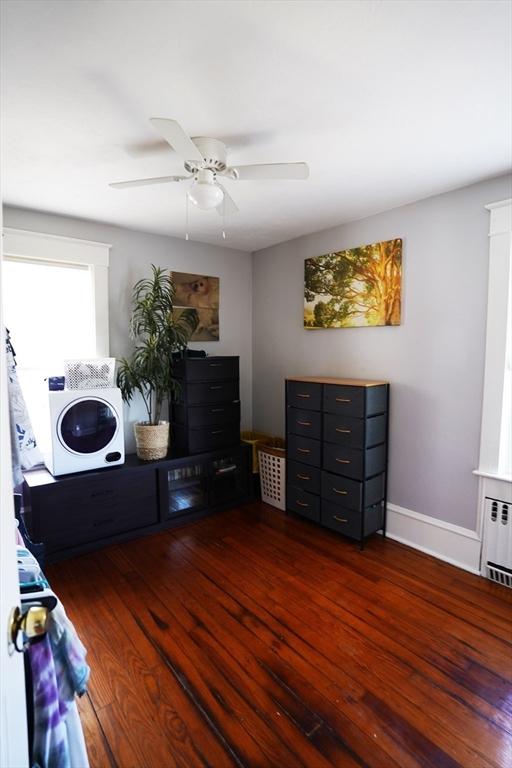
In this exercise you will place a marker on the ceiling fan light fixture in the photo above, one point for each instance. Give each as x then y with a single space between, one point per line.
205 192
205 160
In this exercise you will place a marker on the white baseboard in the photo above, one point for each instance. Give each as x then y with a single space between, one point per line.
451 543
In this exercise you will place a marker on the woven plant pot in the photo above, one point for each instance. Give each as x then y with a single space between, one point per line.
152 440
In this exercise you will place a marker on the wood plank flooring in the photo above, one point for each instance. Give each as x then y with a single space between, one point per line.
251 638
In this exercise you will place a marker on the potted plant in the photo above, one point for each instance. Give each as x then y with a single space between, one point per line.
157 333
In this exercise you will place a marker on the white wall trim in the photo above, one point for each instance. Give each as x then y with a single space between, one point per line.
452 543
40 246
498 204
499 294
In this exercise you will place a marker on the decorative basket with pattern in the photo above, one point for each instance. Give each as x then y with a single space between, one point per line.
90 374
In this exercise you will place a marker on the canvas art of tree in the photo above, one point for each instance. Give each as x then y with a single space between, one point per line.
354 288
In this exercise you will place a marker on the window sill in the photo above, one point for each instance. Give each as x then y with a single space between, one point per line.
493 475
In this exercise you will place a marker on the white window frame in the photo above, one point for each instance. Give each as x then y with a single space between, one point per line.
38 246
498 313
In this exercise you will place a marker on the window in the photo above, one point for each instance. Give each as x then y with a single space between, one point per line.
496 436
55 307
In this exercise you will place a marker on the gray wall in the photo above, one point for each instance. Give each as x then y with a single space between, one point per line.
130 256
434 360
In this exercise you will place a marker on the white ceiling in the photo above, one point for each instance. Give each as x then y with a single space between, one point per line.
388 102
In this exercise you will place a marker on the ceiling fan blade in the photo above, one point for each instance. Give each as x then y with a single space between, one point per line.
173 133
228 205
147 182
270 171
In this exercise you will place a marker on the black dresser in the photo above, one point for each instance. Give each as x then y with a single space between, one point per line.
337 446
207 416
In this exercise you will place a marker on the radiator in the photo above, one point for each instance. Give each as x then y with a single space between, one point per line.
497 549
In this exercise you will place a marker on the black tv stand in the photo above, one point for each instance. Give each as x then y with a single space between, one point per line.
74 514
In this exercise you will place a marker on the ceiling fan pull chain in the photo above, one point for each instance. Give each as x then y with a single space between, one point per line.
224 217
186 216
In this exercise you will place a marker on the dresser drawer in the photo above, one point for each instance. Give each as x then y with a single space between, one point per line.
345 521
204 393
93 508
305 423
348 401
355 401
211 438
303 476
351 493
206 415
342 490
344 430
349 522
207 368
354 433
304 395
349 461
304 450
305 504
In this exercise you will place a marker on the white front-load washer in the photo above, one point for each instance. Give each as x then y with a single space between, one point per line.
86 430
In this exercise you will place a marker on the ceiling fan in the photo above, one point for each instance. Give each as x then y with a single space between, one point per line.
205 159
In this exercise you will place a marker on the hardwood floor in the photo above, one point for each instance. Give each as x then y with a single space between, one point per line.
254 639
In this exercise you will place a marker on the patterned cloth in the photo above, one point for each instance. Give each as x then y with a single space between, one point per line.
25 453
69 655
59 671
50 747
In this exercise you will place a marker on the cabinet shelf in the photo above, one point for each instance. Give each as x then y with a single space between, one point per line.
176 485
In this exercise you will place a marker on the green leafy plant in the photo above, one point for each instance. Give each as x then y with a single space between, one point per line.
157 333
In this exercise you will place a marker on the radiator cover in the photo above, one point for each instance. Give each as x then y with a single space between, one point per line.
497 549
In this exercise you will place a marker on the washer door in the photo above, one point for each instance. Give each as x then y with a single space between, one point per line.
87 425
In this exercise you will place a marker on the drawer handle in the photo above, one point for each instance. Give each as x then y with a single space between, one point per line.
301 503
340 519
217 432
304 423
343 461
226 470
301 394
344 431
343 400
218 386
303 477
303 450
341 493
216 410
215 365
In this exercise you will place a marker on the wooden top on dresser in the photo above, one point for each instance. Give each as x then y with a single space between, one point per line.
341 382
